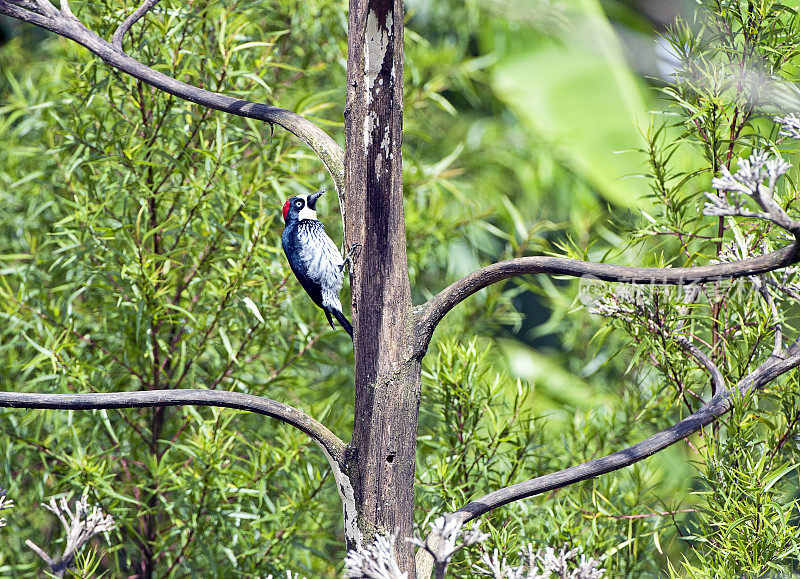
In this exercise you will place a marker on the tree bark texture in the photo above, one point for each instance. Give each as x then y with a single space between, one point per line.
382 455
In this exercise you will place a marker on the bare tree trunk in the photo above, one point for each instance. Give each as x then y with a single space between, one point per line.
382 455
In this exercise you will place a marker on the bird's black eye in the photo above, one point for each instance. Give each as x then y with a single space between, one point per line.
298 203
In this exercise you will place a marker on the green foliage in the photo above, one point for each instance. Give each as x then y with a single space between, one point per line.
733 63
478 434
748 491
640 379
586 52
143 253
139 249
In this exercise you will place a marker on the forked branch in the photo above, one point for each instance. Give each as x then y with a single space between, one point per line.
747 181
80 525
773 367
128 23
629 306
332 444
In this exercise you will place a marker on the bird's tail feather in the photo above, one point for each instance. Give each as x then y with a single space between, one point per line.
330 321
343 321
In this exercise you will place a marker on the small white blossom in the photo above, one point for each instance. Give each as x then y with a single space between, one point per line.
741 248
749 181
497 567
446 538
624 302
542 564
377 561
5 503
790 126
751 174
84 523
81 525
776 168
560 563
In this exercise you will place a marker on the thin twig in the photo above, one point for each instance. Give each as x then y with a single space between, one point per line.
776 318
126 25
717 380
590 515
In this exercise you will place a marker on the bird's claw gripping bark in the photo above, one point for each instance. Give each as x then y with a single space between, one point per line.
352 253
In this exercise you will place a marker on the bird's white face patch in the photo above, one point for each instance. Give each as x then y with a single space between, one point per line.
306 212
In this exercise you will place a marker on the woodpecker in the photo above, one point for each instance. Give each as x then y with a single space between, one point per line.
313 256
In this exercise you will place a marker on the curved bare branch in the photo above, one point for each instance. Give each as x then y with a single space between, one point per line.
25 10
66 25
333 446
707 414
432 312
716 407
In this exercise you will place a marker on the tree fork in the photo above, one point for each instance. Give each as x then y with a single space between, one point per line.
382 455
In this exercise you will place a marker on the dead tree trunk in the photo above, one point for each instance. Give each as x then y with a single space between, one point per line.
381 456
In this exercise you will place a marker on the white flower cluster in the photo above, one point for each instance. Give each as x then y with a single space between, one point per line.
749 181
5 503
739 249
289 575
542 564
377 561
790 126
624 302
84 523
751 174
81 525
446 538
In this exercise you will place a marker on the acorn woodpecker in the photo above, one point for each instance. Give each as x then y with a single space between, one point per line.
313 256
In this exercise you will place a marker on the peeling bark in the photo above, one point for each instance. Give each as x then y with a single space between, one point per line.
381 457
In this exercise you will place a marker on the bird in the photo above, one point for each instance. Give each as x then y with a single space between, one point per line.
313 256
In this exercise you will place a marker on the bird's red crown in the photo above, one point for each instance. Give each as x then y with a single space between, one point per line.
286 208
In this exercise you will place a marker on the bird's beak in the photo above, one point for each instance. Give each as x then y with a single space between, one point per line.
312 199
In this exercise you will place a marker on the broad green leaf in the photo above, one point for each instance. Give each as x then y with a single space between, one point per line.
582 97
